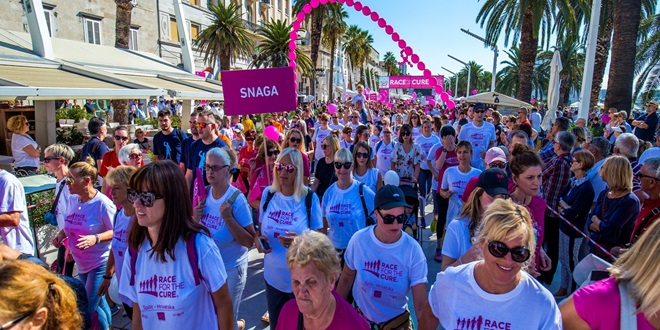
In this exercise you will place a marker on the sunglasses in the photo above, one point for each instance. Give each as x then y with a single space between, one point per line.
281 167
362 155
500 250
70 179
405 133
323 146
346 165
479 111
214 168
202 125
387 132
48 159
15 321
389 219
641 175
498 165
146 198
295 140
355 117
135 156
123 138
249 138
273 153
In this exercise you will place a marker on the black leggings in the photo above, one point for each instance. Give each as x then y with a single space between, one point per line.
443 205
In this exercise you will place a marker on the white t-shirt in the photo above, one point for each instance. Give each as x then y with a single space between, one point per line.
284 214
166 291
373 139
12 199
319 135
457 238
354 126
232 252
96 216
454 180
416 132
385 273
384 157
345 144
119 245
459 303
480 137
535 118
431 157
336 126
21 158
370 178
344 211
426 143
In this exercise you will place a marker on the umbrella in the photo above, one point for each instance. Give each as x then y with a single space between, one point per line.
553 92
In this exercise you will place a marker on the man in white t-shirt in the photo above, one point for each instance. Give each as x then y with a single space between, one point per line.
14 224
383 152
481 134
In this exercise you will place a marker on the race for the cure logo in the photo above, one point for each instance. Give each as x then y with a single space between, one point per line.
341 208
161 286
382 270
120 235
281 217
211 221
479 323
477 139
75 219
459 183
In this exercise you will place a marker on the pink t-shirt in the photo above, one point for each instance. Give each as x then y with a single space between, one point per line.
599 304
536 209
346 317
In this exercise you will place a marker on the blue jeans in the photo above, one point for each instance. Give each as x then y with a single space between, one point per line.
96 303
276 300
424 181
236 278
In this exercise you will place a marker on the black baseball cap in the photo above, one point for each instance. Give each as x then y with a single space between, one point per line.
479 105
494 181
389 197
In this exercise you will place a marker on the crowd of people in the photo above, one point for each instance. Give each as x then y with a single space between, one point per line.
325 202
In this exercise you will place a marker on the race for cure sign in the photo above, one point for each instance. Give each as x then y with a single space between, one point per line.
258 91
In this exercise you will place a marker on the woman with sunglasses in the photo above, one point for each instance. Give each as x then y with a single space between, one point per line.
111 158
261 177
247 153
494 292
226 214
88 226
284 217
324 173
346 138
176 264
458 244
406 156
131 155
142 140
415 122
320 133
294 139
363 167
382 266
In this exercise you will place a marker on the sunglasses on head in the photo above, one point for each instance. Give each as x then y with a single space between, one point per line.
295 140
123 138
146 198
214 168
498 165
346 165
273 153
500 250
281 167
362 155
389 219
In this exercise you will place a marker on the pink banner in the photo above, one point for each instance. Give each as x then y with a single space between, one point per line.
258 91
413 82
373 97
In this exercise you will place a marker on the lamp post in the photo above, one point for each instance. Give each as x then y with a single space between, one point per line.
495 54
467 91
455 77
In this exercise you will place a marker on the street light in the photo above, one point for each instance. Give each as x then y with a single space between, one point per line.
495 53
467 92
455 77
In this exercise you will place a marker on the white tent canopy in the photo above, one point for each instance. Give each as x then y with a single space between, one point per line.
490 98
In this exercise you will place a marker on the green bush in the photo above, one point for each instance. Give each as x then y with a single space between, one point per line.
76 113
69 136
36 214
176 122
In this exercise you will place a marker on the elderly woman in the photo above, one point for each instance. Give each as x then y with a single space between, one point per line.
171 261
490 293
612 219
407 155
226 214
88 226
346 204
314 270
287 209
383 265
363 167
24 149
599 305
324 174
33 298
131 155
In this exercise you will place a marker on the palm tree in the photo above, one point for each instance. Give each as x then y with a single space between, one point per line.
391 64
648 59
476 71
527 20
333 29
318 17
627 15
351 47
226 38
122 33
275 48
509 75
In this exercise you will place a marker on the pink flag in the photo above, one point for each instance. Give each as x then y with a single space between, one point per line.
199 191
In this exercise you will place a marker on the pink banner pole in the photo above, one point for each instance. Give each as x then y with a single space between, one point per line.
263 124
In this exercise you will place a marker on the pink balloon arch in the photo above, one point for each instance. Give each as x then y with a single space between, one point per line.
407 53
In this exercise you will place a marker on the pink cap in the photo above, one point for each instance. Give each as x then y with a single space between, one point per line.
495 154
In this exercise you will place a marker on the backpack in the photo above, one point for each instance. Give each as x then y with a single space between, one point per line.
380 143
369 220
78 157
308 205
192 258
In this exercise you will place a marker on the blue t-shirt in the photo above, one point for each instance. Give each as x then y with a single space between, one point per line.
185 145
96 153
169 146
197 155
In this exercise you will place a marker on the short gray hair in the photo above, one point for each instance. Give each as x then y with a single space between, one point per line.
653 164
124 155
627 144
566 141
602 145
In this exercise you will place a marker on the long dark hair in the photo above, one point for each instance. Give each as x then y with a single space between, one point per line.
164 178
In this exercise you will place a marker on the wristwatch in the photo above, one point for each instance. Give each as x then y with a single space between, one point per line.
445 150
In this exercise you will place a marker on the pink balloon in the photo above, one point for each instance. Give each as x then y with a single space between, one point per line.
358 5
323 2
375 17
406 103
408 51
395 37
421 66
332 108
433 82
350 3
367 90
295 85
389 105
300 16
427 73
272 133
439 89
532 101
293 35
295 75
382 23
366 10
449 92
307 9
293 64
451 105
292 45
292 55
402 43
296 26
474 92
340 1
432 103
414 95
444 97
389 29
314 3
414 58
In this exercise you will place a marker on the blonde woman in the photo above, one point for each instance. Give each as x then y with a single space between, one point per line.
294 139
597 306
24 149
